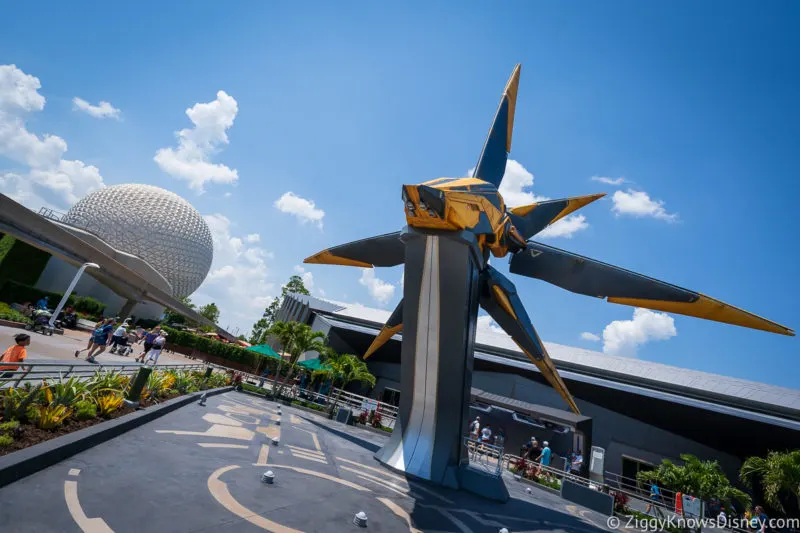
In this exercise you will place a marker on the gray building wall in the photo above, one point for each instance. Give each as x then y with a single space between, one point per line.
618 434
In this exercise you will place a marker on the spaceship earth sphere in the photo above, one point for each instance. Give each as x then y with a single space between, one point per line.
153 224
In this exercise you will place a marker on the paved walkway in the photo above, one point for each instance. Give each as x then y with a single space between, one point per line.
199 468
62 347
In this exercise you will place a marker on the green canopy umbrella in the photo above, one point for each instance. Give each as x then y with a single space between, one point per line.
264 349
312 364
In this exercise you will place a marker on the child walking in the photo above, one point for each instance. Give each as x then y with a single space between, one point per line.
15 354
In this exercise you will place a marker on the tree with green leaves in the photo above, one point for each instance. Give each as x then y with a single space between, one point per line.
172 317
778 475
702 479
295 339
305 340
345 369
262 327
210 311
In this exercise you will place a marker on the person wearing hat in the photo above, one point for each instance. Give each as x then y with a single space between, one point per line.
15 354
158 346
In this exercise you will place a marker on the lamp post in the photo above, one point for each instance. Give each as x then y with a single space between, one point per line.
69 291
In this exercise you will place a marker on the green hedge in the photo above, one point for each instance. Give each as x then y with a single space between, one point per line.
14 292
230 352
20 261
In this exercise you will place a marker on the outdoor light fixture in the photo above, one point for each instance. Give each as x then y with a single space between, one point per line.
64 298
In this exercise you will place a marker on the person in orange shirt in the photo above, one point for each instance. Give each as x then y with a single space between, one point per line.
15 354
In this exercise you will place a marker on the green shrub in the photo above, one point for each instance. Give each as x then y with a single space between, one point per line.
85 410
6 313
6 440
15 292
224 350
20 261
10 426
88 305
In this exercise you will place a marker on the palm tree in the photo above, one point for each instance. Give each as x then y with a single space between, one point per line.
702 479
285 332
778 474
345 369
304 340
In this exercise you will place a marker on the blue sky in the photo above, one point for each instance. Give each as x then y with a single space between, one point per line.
692 104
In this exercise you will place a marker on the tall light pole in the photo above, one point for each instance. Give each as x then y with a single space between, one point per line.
69 290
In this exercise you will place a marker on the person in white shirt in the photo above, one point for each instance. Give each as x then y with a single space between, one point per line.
158 346
118 339
486 434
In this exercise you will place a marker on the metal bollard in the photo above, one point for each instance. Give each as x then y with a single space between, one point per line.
360 519
268 477
138 383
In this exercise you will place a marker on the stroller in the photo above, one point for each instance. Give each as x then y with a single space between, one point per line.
41 322
121 347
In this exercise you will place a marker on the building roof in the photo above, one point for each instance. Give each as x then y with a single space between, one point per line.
697 388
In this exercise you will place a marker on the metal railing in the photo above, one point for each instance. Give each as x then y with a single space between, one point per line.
35 371
483 456
355 402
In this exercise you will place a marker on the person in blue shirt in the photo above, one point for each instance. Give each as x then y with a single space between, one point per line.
760 519
655 496
544 457
99 340
43 303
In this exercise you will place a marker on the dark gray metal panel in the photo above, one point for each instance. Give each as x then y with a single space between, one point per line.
383 250
591 277
458 285
589 498
554 415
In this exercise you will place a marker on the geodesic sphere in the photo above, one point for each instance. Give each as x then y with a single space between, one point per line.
153 224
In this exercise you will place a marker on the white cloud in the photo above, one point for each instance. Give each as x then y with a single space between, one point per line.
227 195
253 237
566 227
381 291
238 279
191 160
590 336
102 110
609 181
304 210
515 184
308 277
486 324
50 180
639 204
623 337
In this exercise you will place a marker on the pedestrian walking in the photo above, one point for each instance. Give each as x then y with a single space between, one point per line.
14 354
156 349
149 338
98 341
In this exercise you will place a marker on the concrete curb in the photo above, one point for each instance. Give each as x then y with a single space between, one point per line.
27 461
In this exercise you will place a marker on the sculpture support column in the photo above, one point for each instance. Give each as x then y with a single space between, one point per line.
439 317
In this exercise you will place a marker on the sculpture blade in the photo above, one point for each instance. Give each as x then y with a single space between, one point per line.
587 276
381 251
393 326
499 299
492 162
531 219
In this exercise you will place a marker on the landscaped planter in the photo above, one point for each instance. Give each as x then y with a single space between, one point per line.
32 459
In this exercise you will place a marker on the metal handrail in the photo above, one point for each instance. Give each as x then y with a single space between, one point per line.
483 456
347 399
34 371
